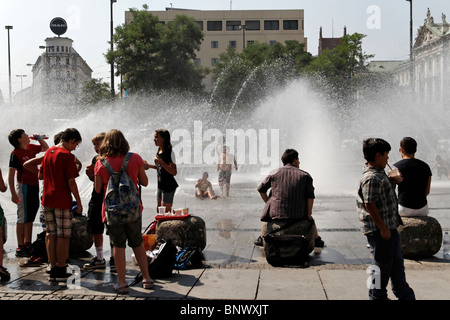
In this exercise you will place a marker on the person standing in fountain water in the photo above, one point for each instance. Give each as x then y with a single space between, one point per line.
378 212
166 168
415 186
225 167
26 193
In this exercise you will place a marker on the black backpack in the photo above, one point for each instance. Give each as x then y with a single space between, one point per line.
163 264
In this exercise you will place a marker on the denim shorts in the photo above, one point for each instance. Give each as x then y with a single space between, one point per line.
121 233
167 197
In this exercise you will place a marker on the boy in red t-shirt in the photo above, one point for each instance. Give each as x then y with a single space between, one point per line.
59 170
26 193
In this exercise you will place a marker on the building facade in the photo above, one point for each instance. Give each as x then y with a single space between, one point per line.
237 28
59 73
428 73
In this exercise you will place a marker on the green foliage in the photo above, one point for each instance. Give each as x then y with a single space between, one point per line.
94 92
337 71
244 78
156 56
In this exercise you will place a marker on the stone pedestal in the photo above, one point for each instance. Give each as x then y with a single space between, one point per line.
301 227
81 240
187 232
420 237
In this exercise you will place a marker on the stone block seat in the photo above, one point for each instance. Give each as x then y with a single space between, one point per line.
420 237
81 240
190 231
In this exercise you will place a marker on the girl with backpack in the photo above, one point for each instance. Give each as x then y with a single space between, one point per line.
114 149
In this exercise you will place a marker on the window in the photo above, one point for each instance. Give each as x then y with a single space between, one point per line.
232 44
252 25
197 61
214 44
272 42
271 25
214 61
233 25
200 24
250 42
214 25
290 24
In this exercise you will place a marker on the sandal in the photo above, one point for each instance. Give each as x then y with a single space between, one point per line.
147 284
121 288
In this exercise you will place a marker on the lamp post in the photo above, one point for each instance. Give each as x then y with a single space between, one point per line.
112 48
9 64
411 57
243 27
21 76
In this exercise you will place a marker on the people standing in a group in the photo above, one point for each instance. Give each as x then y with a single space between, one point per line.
166 168
4 273
378 212
59 170
114 149
95 224
415 186
26 192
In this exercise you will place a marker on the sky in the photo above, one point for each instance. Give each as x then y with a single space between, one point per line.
384 22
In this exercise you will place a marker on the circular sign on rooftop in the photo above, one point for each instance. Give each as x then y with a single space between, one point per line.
58 26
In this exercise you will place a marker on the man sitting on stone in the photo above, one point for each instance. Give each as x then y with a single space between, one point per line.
291 198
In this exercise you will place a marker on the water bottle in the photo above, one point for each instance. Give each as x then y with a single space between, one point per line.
38 136
446 246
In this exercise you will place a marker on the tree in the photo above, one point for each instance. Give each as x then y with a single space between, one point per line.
337 71
243 78
95 91
156 56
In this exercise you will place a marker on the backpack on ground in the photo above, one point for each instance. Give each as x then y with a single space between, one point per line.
38 248
122 199
162 262
189 258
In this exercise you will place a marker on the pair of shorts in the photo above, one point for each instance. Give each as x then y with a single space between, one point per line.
166 196
2 215
28 205
58 221
224 176
95 223
121 233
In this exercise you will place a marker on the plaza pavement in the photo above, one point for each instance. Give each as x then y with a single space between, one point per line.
235 269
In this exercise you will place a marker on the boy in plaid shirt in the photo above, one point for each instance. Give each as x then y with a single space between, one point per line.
378 212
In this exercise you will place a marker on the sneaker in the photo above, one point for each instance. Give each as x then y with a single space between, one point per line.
95 263
32 262
318 245
4 274
23 252
59 274
112 265
259 242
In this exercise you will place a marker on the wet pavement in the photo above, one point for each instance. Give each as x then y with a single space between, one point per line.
235 269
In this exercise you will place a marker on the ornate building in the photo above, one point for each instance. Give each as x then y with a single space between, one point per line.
59 73
430 65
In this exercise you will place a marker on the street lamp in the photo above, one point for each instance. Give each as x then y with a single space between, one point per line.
9 64
112 48
411 60
21 76
243 28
